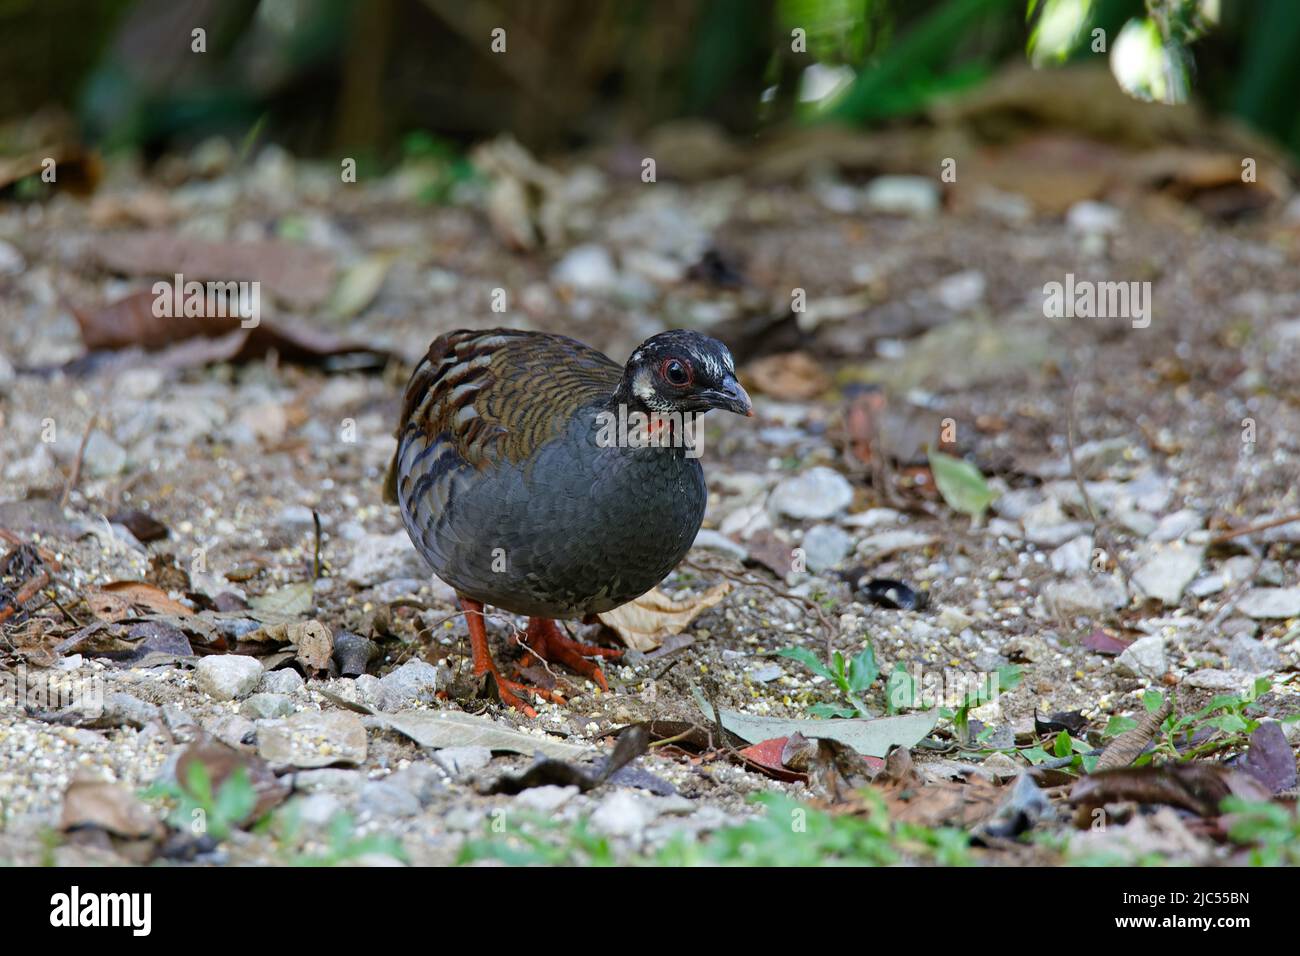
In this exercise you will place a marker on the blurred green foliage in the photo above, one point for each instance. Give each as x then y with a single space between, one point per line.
326 74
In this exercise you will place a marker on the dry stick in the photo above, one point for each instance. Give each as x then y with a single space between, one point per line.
1100 531
1252 528
787 595
44 554
25 594
1128 746
76 463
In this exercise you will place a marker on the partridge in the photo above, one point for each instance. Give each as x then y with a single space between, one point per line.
536 475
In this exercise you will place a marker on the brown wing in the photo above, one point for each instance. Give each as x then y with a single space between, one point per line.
497 394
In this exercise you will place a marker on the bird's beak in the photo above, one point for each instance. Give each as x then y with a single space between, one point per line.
731 397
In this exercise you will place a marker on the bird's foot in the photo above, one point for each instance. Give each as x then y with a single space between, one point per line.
545 640
507 691
513 693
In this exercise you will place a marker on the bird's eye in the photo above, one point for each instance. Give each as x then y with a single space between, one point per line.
676 372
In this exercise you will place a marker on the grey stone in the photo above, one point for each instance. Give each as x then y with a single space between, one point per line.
884 543
1164 571
415 682
1210 678
962 291
1249 655
331 779
588 267
103 458
423 781
622 813
766 673
390 591
461 761
384 798
716 541
1271 574
12 262
825 547
284 681
916 196
124 709
1178 525
1269 603
294 519
316 810
1073 557
1090 217
816 494
546 799
369 689
264 706
230 729
382 557
227 676
1232 571
1088 598
1145 657
313 739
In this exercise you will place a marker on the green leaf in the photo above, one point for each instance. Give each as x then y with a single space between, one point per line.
900 690
863 670
808 659
1062 746
961 484
1118 725
1153 700
1035 755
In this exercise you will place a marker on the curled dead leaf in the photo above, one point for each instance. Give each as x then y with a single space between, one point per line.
118 600
107 806
642 624
788 375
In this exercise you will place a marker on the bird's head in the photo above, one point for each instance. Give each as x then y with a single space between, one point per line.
683 371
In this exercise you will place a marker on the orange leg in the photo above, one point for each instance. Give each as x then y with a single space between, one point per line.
483 663
544 639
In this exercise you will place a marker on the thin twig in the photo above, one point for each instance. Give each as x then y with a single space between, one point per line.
826 623
75 476
1252 528
25 594
1100 530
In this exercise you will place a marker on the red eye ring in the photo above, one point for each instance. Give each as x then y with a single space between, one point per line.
685 367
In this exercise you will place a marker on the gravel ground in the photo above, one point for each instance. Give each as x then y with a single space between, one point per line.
945 310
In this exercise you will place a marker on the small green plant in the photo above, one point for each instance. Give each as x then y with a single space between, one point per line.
1273 831
851 677
540 841
1007 677
202 811
1225 723
342 845
786 834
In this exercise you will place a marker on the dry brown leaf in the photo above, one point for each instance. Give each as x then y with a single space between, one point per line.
313 641
221 761
642 624
190 341
297 274
107 806
119 599
788 375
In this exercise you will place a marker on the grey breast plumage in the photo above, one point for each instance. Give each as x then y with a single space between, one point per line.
506 492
